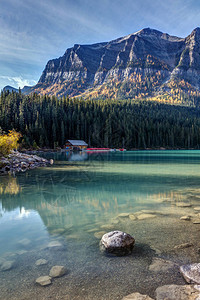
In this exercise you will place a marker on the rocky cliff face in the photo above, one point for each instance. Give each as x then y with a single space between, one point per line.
148 63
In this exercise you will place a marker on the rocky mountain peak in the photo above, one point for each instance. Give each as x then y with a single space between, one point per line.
141 64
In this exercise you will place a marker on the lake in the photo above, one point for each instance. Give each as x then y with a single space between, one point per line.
59 213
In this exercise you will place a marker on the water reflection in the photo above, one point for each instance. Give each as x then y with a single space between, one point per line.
9 186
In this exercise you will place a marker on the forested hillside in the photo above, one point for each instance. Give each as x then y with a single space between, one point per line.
49 122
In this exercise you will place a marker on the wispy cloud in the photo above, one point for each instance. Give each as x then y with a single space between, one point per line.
18 81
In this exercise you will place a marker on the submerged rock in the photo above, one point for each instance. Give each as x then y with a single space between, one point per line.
7 265
191 272
137 296
144 216
123 215
57 271
161 265
196 221
24 242
132 217
43 280
183 204
99 234
41 262
197 208
117 242
55 245
176 292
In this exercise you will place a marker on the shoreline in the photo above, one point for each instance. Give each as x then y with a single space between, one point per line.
21 162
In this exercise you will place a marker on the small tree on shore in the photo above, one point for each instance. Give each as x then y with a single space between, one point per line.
8 142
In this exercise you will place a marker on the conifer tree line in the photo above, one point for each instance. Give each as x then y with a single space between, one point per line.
48 122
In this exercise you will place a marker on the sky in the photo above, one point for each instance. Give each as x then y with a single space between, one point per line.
35 31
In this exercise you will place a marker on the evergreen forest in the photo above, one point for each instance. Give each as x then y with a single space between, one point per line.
47 122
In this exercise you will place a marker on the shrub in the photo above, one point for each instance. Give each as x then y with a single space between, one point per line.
8 142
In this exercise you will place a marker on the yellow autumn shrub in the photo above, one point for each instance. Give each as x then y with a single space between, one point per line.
8 142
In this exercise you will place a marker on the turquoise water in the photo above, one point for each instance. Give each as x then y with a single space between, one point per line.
77 200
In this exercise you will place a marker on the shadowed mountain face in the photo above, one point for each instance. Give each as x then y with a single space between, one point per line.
145 64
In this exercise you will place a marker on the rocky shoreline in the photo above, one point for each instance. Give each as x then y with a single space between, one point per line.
21 162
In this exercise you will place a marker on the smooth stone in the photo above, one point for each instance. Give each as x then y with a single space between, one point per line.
196 221
145 216
161 265
183 204
191 272
123 215
41 262
153 212
117 242
99 234
183 246
137 296
43 280
7 265
132 217
197 208
24 242
57 271
54 245
185 218
176 292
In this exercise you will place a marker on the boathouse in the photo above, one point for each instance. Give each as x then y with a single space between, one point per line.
75 145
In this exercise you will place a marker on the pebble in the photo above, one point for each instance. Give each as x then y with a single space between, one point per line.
185 218
57 271
43 280
183 246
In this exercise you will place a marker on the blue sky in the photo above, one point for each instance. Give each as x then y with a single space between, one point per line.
34 31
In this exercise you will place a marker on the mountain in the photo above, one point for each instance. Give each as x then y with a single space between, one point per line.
145 64
25 89
10 88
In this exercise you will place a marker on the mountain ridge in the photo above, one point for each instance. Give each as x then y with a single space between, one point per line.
144 64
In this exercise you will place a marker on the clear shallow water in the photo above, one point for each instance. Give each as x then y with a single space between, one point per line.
78 199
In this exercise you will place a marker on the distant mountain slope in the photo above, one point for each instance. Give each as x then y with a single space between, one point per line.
25 89
145 64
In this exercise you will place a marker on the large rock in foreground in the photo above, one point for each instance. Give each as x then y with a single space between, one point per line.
117 242
176 292
191 273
